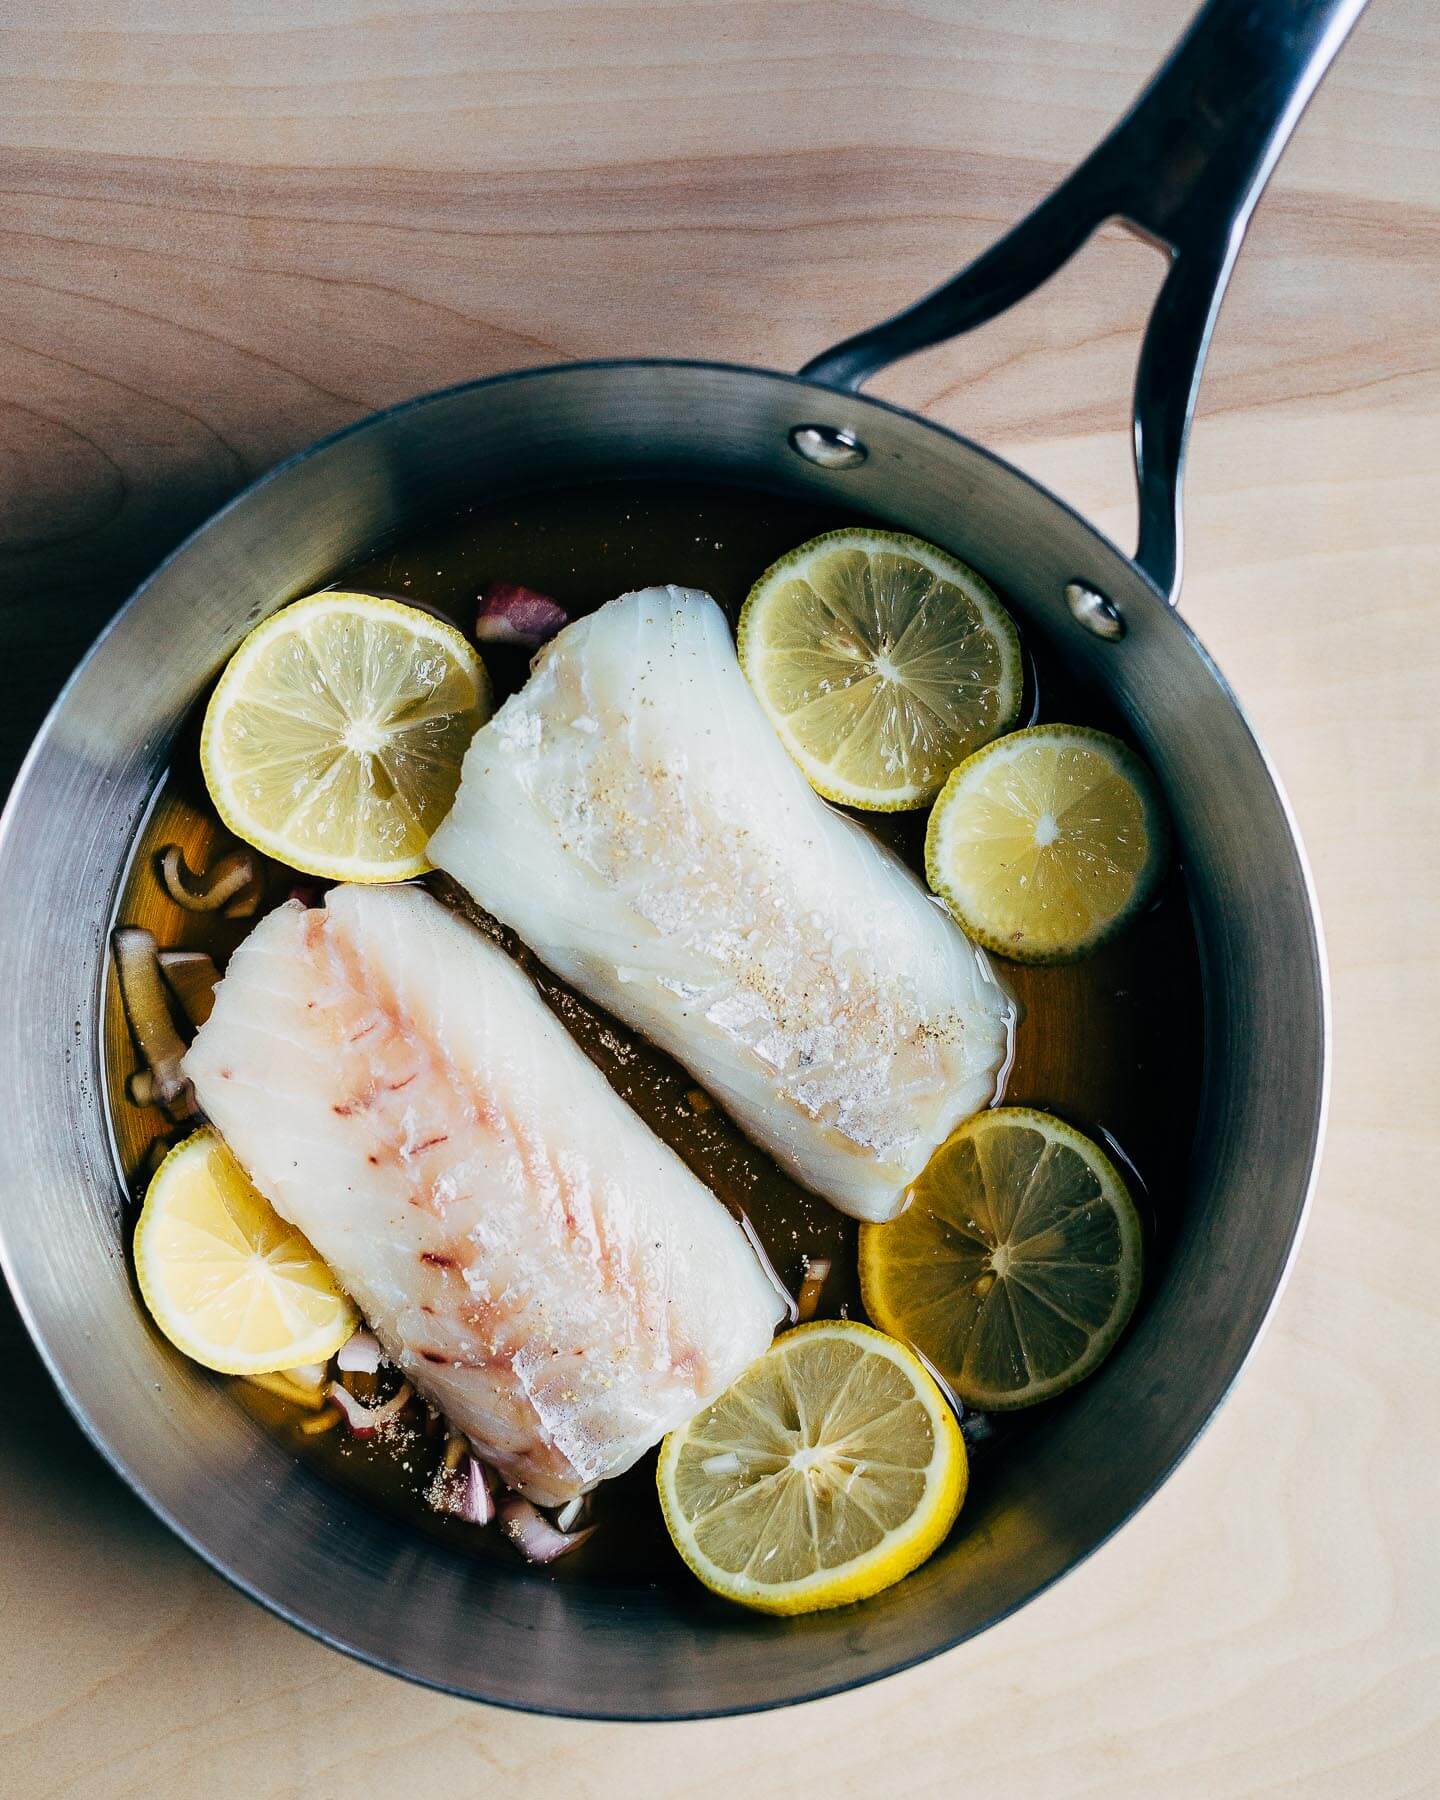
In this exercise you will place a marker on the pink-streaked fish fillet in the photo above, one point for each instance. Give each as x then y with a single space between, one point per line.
539 1264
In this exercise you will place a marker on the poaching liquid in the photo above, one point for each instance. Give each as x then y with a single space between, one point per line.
1112 1043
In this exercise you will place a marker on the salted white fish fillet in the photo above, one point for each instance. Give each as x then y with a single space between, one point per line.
532 1256
632 814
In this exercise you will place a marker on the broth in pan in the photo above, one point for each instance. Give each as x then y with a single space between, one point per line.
1111 1043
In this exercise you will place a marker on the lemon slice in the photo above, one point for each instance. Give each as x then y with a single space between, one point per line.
831 1468
882 662
225 1278
1044 844
334 739
1016 1264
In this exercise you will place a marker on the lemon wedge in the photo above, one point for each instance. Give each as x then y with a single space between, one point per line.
882 662
1043 844
225 1278
1016 1264
334 739
829 1470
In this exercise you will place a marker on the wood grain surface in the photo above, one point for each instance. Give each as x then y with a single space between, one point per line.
227 228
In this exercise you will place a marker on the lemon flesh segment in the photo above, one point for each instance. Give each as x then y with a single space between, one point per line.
334 739
225 1278
829 1470
1043 844
1016 1264
882 662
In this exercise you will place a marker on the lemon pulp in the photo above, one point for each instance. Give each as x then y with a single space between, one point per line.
1016 1264
882 661
335 736
1044 844
829 1470
225 1278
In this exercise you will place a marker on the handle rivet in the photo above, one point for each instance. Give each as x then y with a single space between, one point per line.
828 446
1099 616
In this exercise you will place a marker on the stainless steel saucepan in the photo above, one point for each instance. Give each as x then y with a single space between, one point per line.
1184 168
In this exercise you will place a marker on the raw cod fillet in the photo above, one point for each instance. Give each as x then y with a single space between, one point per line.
538 1263
633 816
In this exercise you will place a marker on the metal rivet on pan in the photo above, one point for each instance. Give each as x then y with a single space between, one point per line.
1092 610
828 446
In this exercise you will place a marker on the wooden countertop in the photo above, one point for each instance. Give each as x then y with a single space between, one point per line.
227 230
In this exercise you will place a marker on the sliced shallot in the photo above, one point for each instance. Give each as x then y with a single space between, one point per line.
364 1421
232 884
284 1388
462 1486
817 1273
517 615
140 1088
477 1503
360 1354
157 1149
532 1534
192 977
307 1375
321 1422
147 1008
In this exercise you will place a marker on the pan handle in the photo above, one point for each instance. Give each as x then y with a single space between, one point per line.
1184 169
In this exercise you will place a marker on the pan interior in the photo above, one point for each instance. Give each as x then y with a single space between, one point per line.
1112 1041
